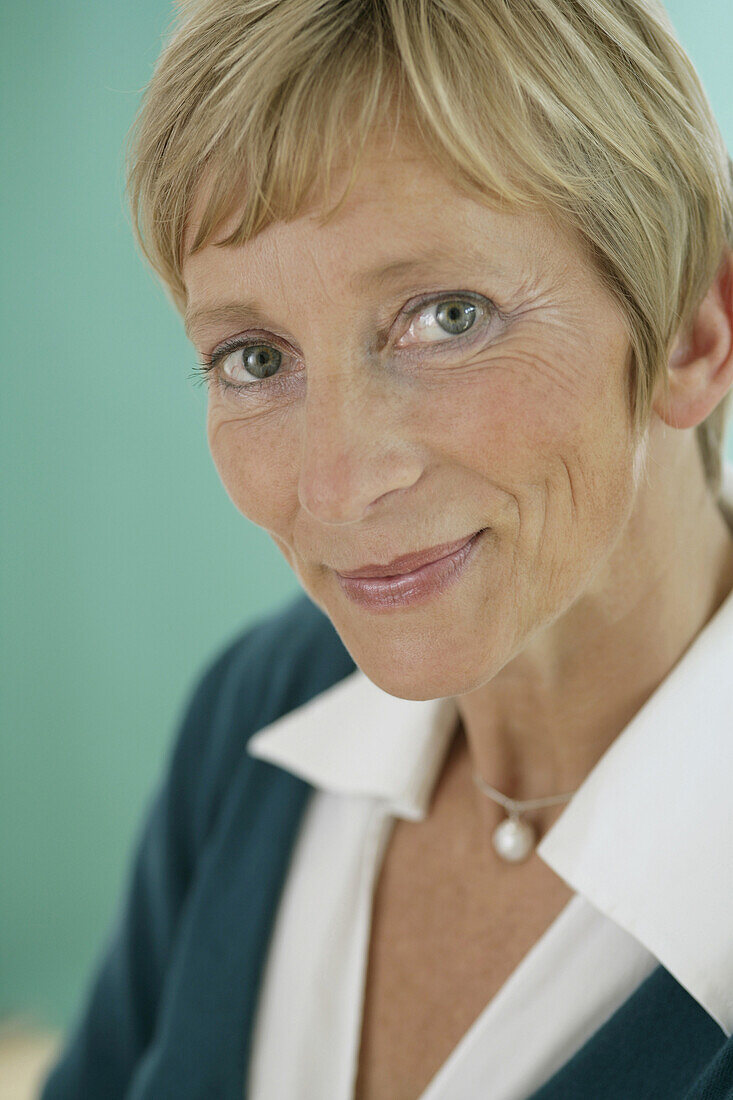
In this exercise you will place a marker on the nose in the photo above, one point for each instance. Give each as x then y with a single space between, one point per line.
354 449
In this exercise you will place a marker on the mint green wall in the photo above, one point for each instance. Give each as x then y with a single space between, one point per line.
120 572
125 563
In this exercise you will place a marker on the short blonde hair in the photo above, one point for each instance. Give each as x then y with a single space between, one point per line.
589 110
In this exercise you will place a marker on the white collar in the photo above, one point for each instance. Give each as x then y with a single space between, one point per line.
647 837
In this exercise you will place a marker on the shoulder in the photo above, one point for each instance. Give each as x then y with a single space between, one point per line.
270 667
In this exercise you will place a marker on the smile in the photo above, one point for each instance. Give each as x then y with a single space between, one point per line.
408 589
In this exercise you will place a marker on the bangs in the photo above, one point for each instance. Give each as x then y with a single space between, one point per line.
293 89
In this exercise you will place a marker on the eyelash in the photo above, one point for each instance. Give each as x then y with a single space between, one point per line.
205 370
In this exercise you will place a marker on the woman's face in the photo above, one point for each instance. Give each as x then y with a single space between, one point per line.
431 368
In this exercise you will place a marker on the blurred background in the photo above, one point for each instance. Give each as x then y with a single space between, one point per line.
118 538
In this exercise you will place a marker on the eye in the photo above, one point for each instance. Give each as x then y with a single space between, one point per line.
259 361
253 366
244 364
440 319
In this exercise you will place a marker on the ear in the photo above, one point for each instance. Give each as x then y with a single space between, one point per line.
700 366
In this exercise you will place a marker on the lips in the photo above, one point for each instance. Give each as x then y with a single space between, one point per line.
408 562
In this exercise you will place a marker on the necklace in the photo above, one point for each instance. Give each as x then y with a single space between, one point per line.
514 839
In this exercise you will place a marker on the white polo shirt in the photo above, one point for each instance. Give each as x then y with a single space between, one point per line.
646 844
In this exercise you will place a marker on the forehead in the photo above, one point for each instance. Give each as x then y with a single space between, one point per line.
395 152
403 208
386 187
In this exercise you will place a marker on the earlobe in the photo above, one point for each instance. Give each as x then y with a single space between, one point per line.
700 365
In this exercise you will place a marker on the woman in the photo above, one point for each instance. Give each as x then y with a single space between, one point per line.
459 829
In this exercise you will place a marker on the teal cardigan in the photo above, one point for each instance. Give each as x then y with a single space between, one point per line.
169 1010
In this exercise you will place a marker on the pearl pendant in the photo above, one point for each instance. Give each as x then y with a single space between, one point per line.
513 839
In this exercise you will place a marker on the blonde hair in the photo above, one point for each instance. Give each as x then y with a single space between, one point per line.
589 110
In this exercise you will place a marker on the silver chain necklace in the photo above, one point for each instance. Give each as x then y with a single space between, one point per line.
514 839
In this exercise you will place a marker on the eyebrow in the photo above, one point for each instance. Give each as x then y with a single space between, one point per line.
248 310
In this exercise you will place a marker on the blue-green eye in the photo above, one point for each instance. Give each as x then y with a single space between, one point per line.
252 365
256 365
260 360
440 320
455 317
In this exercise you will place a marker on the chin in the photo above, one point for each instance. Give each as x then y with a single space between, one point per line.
422 666
422 685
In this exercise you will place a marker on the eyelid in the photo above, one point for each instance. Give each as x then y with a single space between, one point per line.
416 304
250 338
410 309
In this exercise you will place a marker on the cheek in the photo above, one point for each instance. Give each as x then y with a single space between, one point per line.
540 398
510 422
548 431
253 464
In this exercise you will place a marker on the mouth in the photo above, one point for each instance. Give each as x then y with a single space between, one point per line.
392 592
408 563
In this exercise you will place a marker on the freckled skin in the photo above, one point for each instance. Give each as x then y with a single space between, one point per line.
593 580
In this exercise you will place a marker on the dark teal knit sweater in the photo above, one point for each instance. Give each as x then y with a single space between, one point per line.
169 1009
